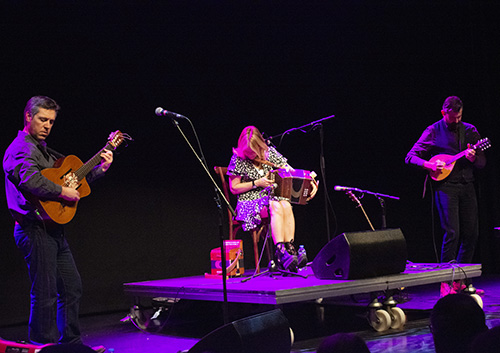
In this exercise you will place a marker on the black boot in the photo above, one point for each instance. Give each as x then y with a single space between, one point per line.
290 247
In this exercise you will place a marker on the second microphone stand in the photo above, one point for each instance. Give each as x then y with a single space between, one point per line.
380 198
218 196
314 124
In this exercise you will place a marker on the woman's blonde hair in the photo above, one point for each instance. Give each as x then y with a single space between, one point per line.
251 138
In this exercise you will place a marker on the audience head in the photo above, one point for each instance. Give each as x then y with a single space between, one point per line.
487 342
67 348
343 343
456 320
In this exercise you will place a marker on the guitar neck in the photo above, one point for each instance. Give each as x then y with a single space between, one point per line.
366 216
91 163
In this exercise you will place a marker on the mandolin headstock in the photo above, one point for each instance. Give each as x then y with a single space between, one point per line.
483 144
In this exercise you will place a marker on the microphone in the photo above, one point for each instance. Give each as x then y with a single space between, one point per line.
345 188
163 112
267 139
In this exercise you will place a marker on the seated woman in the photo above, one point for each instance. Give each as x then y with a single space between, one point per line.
249 175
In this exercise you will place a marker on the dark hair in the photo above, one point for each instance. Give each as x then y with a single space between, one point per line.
452 103
343 343
456 320
35 103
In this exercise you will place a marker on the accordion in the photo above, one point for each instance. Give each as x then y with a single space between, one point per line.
294 184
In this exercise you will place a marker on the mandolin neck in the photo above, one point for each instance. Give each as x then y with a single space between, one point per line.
457 157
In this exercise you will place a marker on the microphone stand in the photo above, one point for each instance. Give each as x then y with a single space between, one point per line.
218 196
323 174
382 205
381 200
314 124
301 128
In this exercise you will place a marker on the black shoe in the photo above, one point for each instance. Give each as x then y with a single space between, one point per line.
284 260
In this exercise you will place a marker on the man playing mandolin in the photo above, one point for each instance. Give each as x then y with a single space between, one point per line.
442 142
53 274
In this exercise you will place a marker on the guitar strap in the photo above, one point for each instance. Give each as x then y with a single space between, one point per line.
461 136
461 142
425 185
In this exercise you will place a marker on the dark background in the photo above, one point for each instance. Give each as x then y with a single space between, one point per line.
383 68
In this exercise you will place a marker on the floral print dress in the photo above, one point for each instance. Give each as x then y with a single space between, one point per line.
251 203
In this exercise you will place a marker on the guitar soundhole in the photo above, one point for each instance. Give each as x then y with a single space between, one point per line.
64 175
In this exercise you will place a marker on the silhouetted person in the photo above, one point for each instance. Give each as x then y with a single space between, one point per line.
456 320
67 348
487 342
343 343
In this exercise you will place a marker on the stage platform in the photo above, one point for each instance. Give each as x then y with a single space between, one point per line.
279 289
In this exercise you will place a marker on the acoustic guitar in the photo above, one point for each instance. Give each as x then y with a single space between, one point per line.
449 160
356 200
70 172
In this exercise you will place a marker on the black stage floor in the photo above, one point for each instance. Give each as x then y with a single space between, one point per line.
278 289
187 321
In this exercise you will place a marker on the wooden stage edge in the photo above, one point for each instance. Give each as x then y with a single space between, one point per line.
277 289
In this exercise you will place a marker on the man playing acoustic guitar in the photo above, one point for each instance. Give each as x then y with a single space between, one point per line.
455 195
54 276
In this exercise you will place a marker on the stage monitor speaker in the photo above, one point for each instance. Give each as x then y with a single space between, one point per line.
362 255
264 333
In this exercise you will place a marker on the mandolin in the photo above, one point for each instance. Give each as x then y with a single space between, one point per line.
70 172
450 160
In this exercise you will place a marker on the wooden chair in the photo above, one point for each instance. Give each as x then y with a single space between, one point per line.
234 225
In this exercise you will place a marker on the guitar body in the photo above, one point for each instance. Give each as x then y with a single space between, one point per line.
63 211
70 172
439 175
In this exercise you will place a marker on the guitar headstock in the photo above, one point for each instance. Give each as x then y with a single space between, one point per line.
483 144
115 139
353 197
